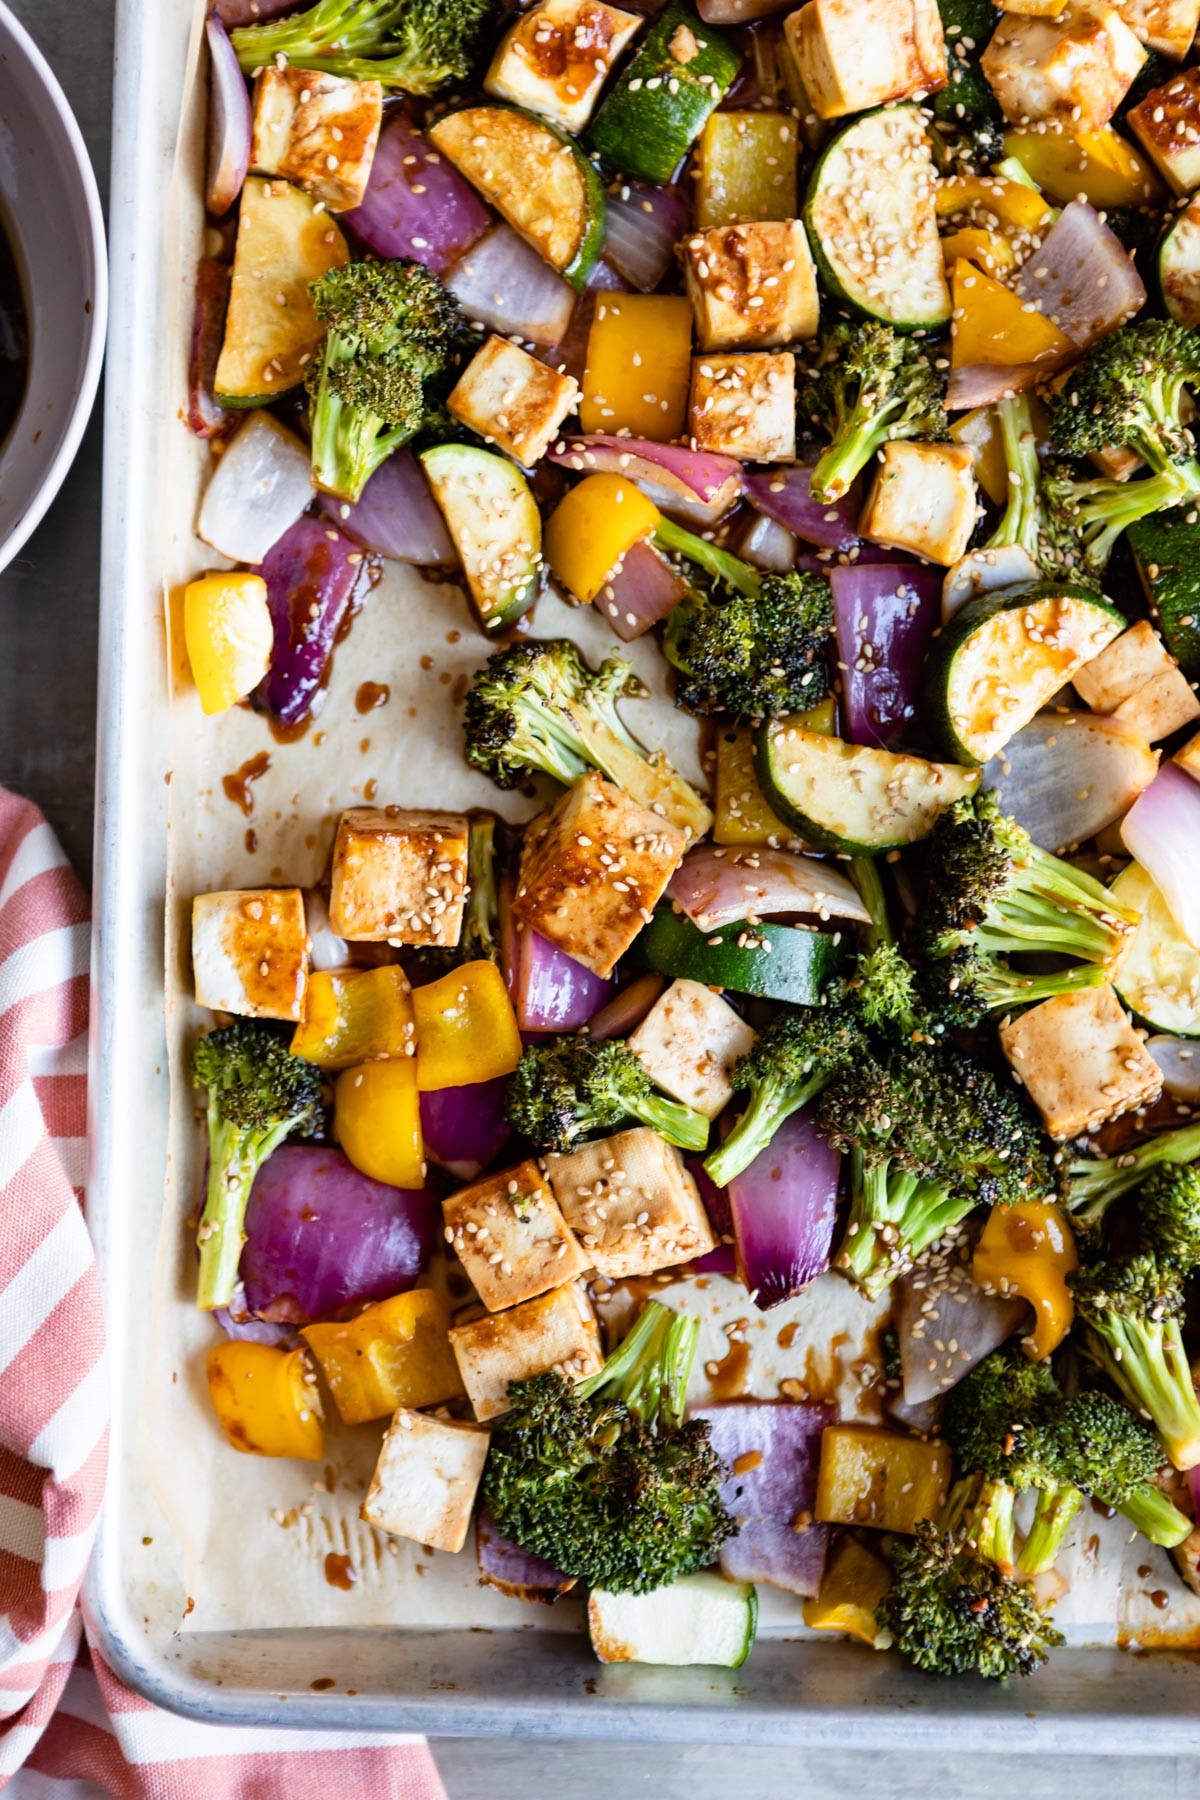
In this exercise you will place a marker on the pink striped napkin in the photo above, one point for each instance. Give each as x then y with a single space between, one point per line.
69 1729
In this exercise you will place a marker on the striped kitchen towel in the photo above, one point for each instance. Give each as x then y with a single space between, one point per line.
69 1729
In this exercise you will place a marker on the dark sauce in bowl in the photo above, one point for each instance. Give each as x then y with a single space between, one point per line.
14 334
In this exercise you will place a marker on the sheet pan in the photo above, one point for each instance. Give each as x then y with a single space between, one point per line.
428 1650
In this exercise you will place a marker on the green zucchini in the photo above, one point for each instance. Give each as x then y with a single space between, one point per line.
776 962
871 222
649 121
1158 978
1004 655
536 177
1166 549
1177 263
494 522
697 1619
852 797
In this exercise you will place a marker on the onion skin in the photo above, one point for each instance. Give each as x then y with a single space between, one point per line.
396 515
206 418
312 566
230 123
773 1493
900 605
434 226
784 1207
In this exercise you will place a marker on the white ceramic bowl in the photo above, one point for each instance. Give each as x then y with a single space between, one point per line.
48 192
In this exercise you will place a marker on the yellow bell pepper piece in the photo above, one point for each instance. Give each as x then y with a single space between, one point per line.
745 168
992 201
986 249
885 1479
639 366
1098 166
266 1400
591 529
466 1028
377 1121
981 430
742 815
355 1015
396 1353
1029 1250
990 324
854 1582
228 632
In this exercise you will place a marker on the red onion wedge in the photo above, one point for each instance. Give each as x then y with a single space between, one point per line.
396 516
885 616
769 545
626 1010
230 122
640 592
642 227
516 1572
691 474
312 574
1082 277
320 1236
783 494
939 1302
778 1447
464 1128
714 886
982 384
416 203
1162 831
784 1206
233 13
238 1324
1067 775
259 489
554 992
504 285
206 417
721 1260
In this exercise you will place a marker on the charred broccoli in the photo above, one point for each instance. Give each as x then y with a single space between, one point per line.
1132 1309
1088 1185
566 1090
412 46
989 1422
602 1477
952 1613
258 1094
871 385
961 990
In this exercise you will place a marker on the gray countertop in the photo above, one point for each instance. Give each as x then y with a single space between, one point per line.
48 601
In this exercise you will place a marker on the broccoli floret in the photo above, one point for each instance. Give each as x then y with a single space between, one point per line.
991 889
1127 391
412 46
564 1091
745 644
603 1478
963 989
1168 1204
952 1613
930 1135
479 940
1110 1454
258 1094
1088 1185
1131 1308
870 385
990 1419
538 707
392 329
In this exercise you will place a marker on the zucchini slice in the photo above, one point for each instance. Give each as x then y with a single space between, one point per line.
1166 549
496 527
656 111
1003 656
1158 977
852 797
271 330
871 222
1178 263
697 1619
776 962
535 176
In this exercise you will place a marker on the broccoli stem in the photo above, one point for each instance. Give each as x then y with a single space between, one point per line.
1019 523
1146 1359
721 564
851 450
679 1124
1051 906
649 1370
1091 1184
770 1104
1104 509
864 872
985 1508
894 1215
1156 1516
349 443
1056 1507
235 1157
1004 988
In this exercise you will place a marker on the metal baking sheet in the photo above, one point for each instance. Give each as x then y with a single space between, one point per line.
500 1670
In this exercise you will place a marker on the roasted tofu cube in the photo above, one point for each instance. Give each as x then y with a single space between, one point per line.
318 132
922 499
1080 1060
250 952
751 286
1188 757
745 406
512 400
1163 706
398 876
555 58
632 1203
852 54
688 1043
1127 664
510 1237
1073 70
1167 123
593 868
556 1331
426 1479
1167 26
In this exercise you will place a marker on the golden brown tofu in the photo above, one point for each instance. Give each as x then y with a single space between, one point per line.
512 400
1167 26
632 1202
1167 123
555 58
853 54
1122 667
426 1478
751 286
318 132
250 952
398 876
1073 70
922 499
556 1331
510 1237
1080 1060
744 406
593 868
688 1043
1162 707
